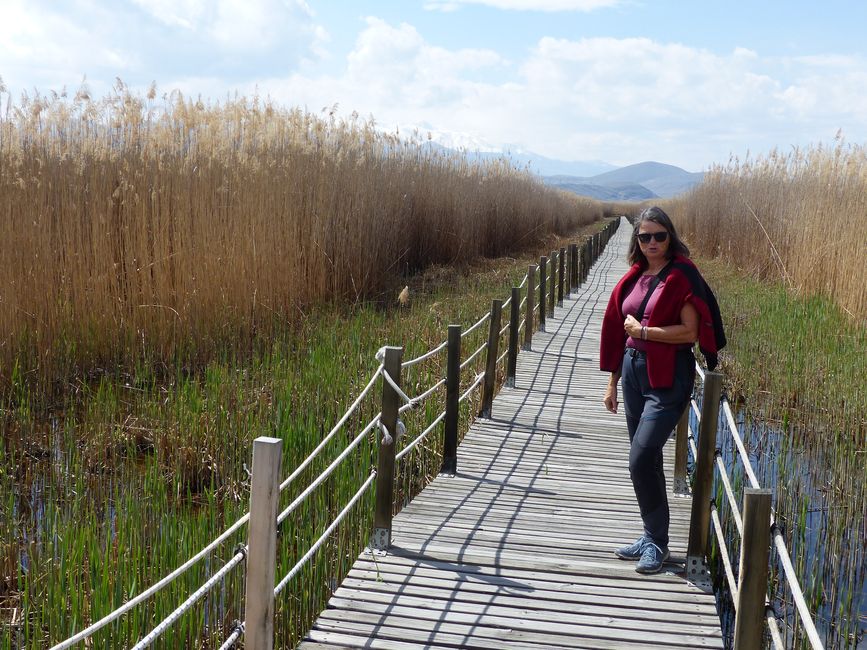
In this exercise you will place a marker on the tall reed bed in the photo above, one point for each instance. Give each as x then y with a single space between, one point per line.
136 230
797 217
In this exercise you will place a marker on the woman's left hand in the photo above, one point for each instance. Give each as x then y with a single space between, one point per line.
632 327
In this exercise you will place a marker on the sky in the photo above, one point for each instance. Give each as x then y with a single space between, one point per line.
685 82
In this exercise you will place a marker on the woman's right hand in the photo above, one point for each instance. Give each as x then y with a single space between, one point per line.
610 399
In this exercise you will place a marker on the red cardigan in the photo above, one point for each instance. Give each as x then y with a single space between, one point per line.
683 284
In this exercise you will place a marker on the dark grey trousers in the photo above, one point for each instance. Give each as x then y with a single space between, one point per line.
651 415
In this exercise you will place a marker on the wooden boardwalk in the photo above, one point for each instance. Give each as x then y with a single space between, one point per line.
515 551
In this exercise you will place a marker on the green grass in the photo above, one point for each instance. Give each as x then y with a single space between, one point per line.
130 474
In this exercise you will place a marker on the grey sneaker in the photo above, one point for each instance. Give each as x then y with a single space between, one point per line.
652 558
633 551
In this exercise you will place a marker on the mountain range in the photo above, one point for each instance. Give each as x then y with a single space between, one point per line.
594 178
646 180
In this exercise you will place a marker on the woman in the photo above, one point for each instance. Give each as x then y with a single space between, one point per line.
657 311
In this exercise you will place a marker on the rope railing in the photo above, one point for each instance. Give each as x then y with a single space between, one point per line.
724 553
238 631
469 359
333 431
312 550
477 325
123 609
778 540
418 399
427 355
167 622
328 470
411 445
234 637
472 387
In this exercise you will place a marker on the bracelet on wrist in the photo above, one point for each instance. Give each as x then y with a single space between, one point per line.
644 332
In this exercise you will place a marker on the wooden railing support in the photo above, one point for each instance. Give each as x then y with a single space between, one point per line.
262 544
561 288
514 319
553 283
753 574
453 390
699 521
491 364
681 454
529 316
381 540
573 267
543 295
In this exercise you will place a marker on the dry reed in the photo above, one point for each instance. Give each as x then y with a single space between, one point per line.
799 217
134 230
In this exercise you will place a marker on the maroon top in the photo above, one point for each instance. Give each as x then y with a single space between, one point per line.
633 302
677 290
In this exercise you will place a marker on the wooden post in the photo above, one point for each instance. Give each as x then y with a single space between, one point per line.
262 543
586 263
681 451
491 364
573 267
562 276
453 389
529 316
381 540
753 574
543 295
553 283
699 521
514 317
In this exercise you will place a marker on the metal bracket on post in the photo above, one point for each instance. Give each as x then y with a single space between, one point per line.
380 541
698 574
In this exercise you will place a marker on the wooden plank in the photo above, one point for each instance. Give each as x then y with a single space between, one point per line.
515 549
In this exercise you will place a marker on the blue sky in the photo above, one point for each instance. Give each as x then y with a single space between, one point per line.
684 82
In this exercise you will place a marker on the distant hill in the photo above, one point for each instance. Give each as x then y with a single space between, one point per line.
646 180
609 192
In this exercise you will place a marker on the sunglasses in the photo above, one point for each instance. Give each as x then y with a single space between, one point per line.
645 237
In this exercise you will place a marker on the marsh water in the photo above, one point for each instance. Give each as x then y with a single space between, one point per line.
824 525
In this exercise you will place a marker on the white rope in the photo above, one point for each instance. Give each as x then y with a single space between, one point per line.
427 355
325 474
420 437
771 620
477 325
506 303
397 389
724 554
120 611
727 487
474 355
523 302
795 587
418 399
745 459
502 356
503 331
524 281
189 602
333 431
387 438
324 535
695 409
522 324
234 637
699 370
691 441
469 390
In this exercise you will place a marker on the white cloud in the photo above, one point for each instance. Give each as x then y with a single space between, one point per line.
525 5
620 100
